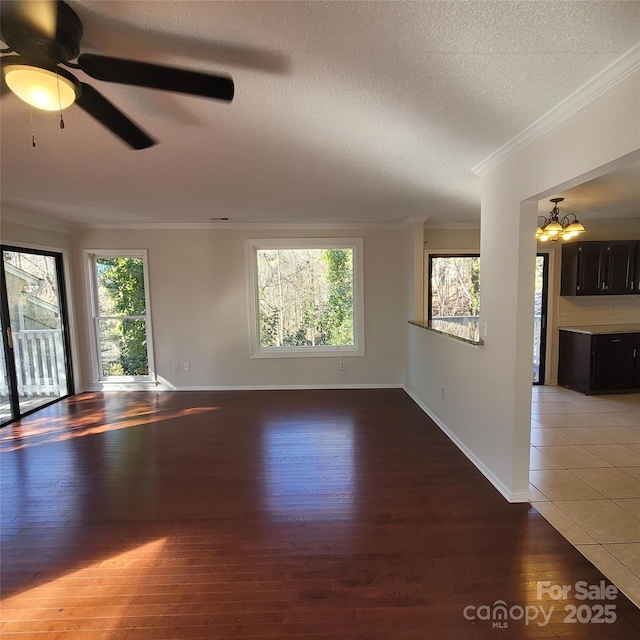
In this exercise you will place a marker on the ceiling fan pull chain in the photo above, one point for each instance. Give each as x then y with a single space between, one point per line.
59 101
33 135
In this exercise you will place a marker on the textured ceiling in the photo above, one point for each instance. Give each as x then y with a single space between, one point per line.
613 196
344 111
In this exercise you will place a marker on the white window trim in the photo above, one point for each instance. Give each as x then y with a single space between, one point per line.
427 286
321 351
129 382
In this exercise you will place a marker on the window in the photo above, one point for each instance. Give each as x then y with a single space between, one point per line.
121 318
306 297
454 295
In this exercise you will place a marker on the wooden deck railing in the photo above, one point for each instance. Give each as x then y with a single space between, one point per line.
40 364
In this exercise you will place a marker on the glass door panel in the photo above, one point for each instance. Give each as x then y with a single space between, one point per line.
6 410
540 318
37 327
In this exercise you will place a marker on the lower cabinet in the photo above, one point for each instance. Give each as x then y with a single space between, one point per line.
599 363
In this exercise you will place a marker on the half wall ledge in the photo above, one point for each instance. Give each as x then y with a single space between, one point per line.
422 325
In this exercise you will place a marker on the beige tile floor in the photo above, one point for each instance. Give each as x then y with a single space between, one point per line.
585 476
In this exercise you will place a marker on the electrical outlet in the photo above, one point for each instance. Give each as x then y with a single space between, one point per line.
176 366
343 365
186 366
443 392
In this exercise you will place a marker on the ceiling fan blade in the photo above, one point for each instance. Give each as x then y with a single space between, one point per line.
143 74
107 114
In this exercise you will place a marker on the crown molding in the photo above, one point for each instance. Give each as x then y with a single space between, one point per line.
619 70
34 220
407 222
452 225
147 226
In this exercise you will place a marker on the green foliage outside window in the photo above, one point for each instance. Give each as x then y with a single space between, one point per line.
123 339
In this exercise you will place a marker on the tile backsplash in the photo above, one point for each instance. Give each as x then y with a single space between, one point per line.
598 310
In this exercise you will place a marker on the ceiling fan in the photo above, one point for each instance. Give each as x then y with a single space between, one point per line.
40 36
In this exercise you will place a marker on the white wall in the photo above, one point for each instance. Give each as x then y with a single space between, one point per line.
18 227
198 282
414 267
488 410
447 239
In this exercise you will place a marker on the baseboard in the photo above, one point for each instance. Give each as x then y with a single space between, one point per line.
286 387
124 386
510 496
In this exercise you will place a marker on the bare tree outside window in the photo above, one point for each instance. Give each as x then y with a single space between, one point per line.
305 297
454 295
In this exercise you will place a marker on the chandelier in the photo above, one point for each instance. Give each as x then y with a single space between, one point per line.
551 228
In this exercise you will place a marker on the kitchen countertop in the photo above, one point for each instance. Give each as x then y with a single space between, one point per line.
604 328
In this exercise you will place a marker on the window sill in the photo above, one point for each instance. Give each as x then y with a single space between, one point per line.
473 343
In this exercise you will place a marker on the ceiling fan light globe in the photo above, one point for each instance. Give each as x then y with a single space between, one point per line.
40 88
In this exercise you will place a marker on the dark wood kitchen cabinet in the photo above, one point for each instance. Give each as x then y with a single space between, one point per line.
621 267
600 268
602 363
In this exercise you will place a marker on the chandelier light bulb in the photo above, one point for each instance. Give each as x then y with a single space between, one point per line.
553 228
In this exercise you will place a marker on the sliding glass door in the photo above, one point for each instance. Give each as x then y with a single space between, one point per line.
35 366
6 406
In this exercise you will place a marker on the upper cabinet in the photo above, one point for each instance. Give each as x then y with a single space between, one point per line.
600 268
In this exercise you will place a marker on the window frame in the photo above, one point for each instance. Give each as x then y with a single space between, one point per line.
453 253
142 382
318 351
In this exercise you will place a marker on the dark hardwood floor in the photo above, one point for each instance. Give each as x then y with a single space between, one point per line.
298 514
